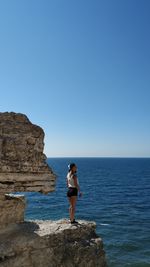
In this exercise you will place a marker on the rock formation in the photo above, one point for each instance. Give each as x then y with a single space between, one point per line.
23 167
51 244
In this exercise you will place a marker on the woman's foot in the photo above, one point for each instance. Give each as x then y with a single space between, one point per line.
74 222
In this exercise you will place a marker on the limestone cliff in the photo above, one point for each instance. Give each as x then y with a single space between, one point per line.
23 167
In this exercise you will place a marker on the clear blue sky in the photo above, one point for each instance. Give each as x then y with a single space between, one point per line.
81 70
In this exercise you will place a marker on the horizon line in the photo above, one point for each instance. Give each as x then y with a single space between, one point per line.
127 157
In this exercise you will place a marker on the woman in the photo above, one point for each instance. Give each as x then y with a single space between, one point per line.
73 189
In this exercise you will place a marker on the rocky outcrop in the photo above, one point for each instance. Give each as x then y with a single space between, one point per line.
51 244
23 167
11 210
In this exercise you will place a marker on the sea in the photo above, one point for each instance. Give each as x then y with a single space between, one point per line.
116 195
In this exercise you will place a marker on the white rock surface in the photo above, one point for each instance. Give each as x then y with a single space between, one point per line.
51 244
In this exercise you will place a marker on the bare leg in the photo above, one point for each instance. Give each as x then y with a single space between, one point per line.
72 201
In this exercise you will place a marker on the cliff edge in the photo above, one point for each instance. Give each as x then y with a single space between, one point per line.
23 168
51 244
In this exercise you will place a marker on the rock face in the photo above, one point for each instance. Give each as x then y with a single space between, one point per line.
11 209
23 165
36 243
51 244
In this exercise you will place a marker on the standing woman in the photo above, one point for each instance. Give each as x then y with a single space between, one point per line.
73 189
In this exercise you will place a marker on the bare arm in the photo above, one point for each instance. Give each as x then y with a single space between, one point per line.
76 183
67 182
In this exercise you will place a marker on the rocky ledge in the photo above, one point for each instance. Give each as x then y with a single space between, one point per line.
51 244
23 167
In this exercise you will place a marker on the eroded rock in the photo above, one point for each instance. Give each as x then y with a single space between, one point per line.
23 168
23 165
11 209
51 244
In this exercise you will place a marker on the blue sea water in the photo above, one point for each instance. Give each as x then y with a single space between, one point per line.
116 194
